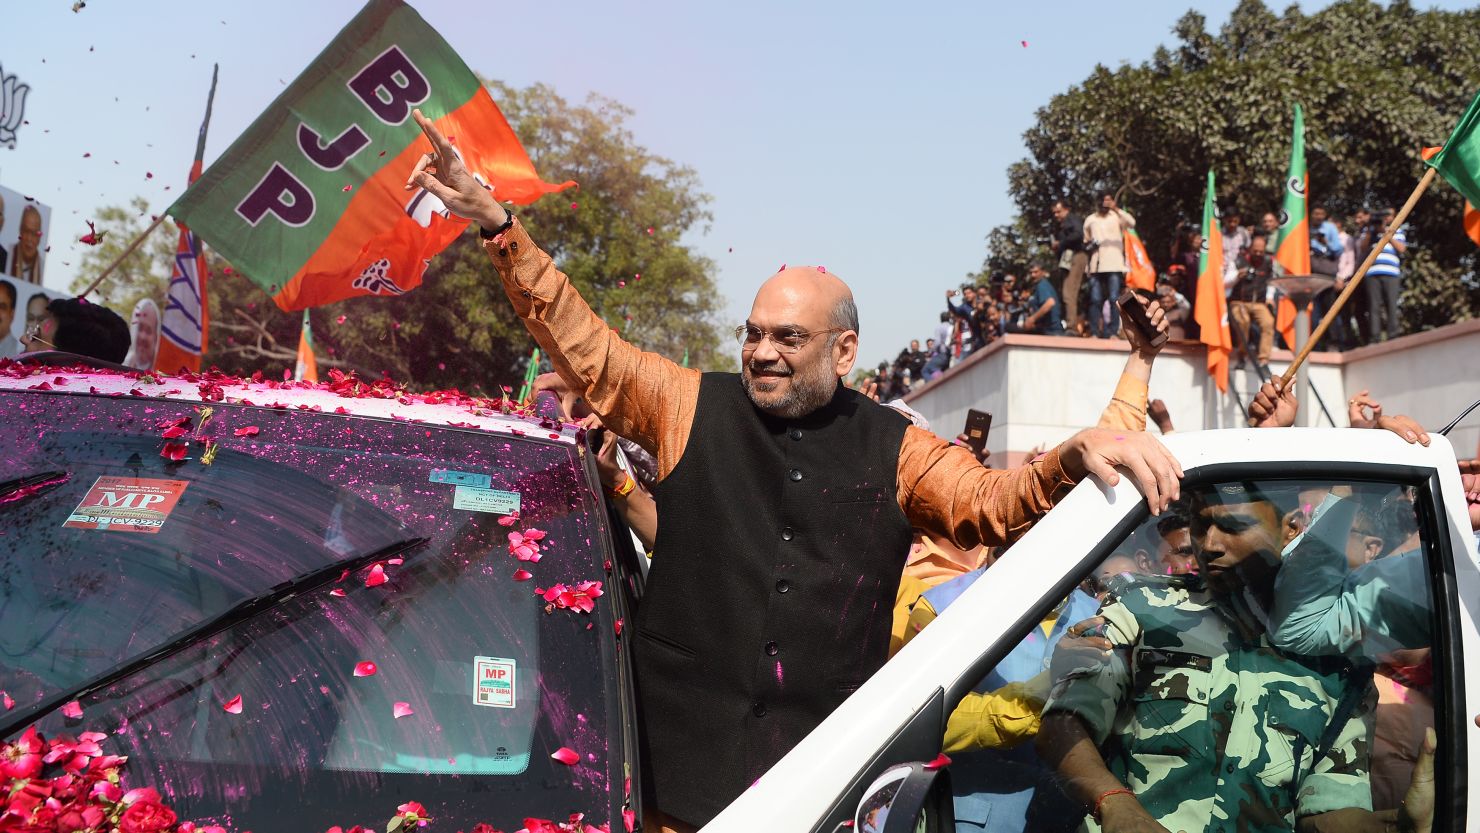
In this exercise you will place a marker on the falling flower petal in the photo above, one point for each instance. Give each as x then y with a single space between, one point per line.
348 188
401 709
365 669
376 577
566 756
574 206
72 710
941 762
234 705
1025 44
339 320
522 574
249 431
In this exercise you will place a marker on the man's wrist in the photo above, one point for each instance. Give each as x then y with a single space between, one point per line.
493 217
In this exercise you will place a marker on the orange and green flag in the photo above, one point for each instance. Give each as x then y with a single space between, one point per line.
309 202
1459 160
306 368
1471 218
1292 250
1141 274
1211 308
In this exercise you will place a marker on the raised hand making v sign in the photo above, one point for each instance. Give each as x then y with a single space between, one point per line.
442 173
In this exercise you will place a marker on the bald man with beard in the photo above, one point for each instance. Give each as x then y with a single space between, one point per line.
785 506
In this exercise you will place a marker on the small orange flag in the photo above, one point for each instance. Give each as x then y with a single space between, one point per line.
306 369
1472 222
1142 274
1211 308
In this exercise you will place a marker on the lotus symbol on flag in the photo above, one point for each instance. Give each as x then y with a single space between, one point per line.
1284 218
12 107
376 278
1296 185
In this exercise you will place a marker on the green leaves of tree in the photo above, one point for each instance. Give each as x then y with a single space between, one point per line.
1377 83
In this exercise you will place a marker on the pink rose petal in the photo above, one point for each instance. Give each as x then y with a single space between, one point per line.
6 699
249 431
566 756
234 705
376 577
941 762
365 669
401 709
522 574
72 710
338 591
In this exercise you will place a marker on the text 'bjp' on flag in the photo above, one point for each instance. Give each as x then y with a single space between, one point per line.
309 202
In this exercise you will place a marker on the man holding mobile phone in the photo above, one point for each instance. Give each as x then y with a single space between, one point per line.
1104 239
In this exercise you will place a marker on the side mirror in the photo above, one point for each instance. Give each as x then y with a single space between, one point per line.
896 802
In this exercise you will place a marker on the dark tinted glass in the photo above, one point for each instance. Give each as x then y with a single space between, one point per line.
494 679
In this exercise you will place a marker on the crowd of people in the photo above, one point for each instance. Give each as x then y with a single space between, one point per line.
1074 294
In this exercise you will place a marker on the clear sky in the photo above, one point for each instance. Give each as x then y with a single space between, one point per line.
872 138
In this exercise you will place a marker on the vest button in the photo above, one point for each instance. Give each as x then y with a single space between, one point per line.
795 475
772 649
758 709
787 534
782 585
795 433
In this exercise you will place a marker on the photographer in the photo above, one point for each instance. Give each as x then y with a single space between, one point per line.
1040 306
1104 241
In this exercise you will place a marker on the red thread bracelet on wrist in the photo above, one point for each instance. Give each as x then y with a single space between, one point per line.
1099 802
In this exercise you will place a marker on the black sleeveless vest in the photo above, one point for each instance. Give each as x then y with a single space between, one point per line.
780 548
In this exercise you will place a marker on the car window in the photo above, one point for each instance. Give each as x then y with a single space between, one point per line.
1261 654
438 676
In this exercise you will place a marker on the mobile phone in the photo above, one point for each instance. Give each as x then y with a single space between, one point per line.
978 423
1130 307
595 438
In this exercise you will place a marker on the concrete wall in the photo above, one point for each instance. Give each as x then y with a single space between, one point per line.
1042 389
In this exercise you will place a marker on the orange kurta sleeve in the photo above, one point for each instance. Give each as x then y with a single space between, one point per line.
1127 408
945 491
641 396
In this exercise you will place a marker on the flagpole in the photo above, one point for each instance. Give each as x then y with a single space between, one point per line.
126 252
1351 285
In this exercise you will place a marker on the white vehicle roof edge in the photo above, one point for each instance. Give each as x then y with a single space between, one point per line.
795 793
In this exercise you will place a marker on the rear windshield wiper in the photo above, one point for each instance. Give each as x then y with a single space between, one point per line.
32 484
237 613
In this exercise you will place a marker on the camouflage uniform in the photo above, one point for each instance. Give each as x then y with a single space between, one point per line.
1209 724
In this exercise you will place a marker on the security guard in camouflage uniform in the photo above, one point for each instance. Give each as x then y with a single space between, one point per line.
1205 725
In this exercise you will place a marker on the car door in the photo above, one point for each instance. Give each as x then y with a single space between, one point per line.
1290 739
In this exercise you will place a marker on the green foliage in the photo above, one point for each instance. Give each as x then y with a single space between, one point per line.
145 273
1376 85
457 328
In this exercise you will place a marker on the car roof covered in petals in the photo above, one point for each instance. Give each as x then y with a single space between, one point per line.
342 393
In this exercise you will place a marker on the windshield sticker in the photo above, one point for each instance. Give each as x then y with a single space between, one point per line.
485 500
127 504
493 682
461 478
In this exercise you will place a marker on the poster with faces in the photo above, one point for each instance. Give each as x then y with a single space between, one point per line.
21 305
25 226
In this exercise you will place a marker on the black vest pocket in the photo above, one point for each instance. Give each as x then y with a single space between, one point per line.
672 645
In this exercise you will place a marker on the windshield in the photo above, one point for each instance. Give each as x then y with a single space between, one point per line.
438 676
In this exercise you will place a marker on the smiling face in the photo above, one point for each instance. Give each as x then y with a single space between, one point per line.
30 233
798 304
1238 544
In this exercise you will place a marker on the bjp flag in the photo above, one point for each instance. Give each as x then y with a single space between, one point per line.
306 368
309 202
1211 309
1292 250
1142 275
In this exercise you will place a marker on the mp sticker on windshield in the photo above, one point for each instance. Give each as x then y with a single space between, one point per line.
493 682
127 504
460 478
485 500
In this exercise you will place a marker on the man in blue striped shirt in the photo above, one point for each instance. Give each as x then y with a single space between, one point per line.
1384 283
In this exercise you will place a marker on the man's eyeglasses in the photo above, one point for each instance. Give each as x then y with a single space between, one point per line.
785 340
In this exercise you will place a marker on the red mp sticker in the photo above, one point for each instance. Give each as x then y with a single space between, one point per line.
127 504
